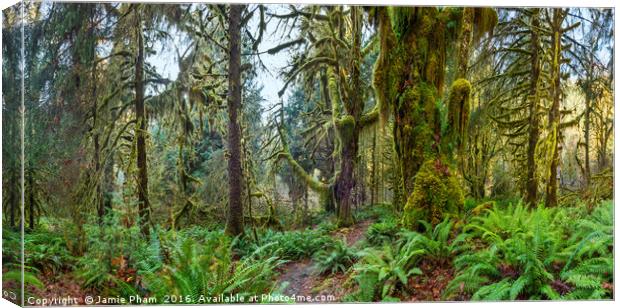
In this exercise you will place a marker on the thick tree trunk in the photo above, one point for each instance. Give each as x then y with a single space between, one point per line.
551 198
410 88
345 182
531 190
144 206
234 224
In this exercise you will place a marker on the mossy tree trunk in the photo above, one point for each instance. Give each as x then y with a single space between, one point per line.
409 79
531 185
234 223
345 94
551 198
144 206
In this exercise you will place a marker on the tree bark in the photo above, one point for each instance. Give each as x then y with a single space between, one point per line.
234 224
587 120
373 180
144 206
31 201
551 197
531 196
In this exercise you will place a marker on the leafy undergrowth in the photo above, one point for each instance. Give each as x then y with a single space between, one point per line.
497 252
536 254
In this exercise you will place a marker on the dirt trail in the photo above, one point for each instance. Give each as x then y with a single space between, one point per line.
302 278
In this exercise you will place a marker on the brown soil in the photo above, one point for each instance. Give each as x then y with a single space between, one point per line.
303 280
63 286
430 285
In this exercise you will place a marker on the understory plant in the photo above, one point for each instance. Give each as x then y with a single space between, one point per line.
522 253
337 258
288 245
381 273
197 271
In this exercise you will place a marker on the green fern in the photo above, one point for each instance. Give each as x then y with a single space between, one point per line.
337 258
532 254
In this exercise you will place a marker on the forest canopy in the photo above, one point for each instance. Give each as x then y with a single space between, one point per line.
306 152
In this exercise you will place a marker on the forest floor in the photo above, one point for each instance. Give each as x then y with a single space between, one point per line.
65 285
303 280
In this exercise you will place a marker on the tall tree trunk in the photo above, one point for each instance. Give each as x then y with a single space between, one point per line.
349 125
13 200
234 224
345 182
31 201
373 179
98 178
551 197
144 206
588 95
531 196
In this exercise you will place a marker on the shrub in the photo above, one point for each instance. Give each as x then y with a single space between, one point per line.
382 232
337 258
44 251
436 242
47 252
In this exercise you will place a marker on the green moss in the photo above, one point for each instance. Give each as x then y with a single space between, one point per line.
458 113
485 19
400 18
436 195
345 127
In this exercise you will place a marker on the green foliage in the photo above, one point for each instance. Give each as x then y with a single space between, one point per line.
30 279
327 226
209 270
382 272
530 254
117 257
288 245
337 258
44 251
436 242
382 232
47 252
381 212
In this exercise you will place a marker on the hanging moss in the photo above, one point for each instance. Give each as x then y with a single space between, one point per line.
400 18
436 195
485 19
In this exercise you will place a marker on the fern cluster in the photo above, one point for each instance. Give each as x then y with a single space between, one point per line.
44 251
520 253
289 245
204 270
337 258
382 232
